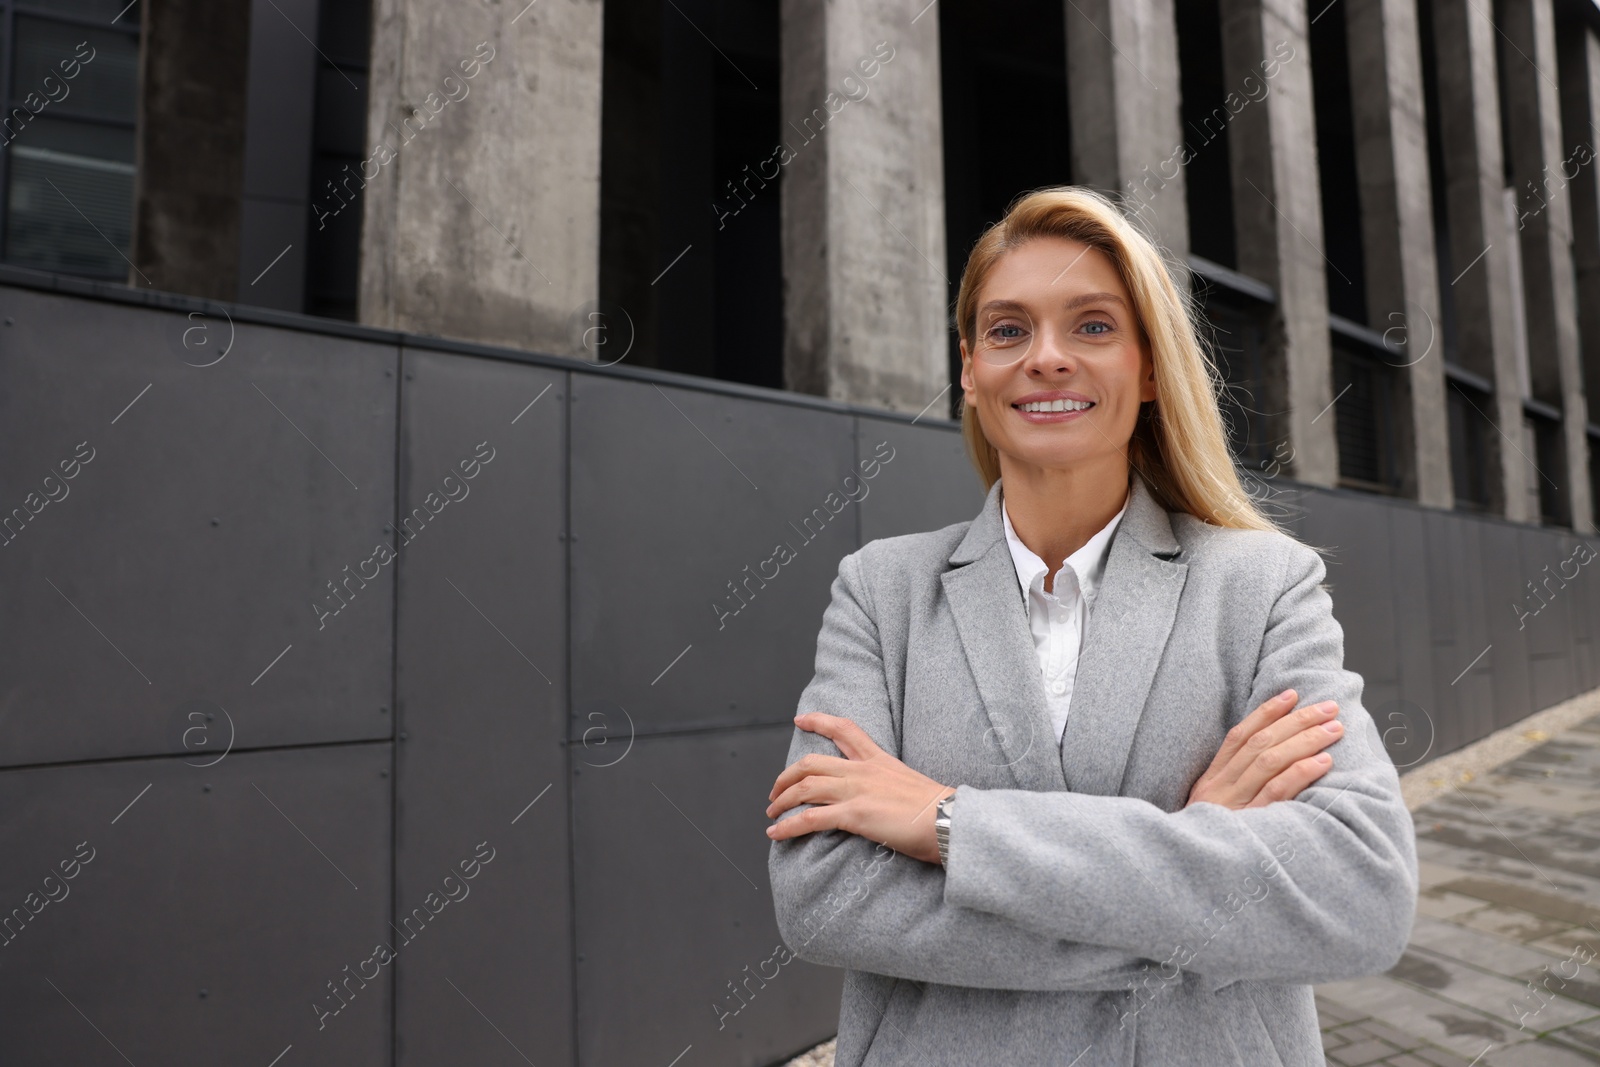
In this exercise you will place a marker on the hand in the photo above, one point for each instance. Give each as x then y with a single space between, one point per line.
869 792
1271 755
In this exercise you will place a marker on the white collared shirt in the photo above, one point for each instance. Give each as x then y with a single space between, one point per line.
1059 619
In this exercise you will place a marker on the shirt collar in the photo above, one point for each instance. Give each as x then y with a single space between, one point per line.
1088 563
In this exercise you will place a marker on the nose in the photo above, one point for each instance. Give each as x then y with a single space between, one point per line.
1049 354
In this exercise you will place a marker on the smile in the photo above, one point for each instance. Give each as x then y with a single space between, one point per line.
1043 406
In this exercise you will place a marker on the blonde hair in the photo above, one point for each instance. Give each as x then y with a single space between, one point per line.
1179 443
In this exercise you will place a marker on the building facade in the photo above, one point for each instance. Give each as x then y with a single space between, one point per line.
1387 209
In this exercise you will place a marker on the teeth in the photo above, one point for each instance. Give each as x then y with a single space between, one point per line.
1056 405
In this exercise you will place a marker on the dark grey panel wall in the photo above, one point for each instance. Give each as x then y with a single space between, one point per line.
215 907
211 509
483 705
923 480
706 533
670 853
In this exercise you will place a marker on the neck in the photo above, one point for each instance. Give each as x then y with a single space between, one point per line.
1055 511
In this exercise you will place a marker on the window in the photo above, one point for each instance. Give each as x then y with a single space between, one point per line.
1469 444
1549 457
1364 409
71 76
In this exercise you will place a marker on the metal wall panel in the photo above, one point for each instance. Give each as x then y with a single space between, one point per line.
675 908
1550 632
927 484
1418 700
1463 696
1354 533
176 574
1502 580
482 686
216 906
685 506
1585 613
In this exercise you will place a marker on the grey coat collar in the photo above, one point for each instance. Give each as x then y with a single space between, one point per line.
1133 615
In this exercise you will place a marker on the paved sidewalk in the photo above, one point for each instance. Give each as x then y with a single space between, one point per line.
1503 969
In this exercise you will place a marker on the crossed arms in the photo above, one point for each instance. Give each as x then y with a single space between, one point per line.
1068 891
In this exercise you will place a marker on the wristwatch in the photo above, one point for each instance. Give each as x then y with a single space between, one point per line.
941 827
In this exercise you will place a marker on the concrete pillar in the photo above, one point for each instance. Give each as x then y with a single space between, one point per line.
1277 201
1580 111
1481 252
482 198
1402 278
190 147
863 205
1123 95
1533 132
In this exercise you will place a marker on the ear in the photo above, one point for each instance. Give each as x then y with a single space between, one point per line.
966 373
1147 373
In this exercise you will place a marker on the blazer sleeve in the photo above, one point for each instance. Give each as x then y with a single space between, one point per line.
845 901
1315 889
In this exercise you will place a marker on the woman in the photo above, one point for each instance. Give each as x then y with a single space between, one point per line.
1132 869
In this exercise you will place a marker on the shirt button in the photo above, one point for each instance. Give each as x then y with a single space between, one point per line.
1059 687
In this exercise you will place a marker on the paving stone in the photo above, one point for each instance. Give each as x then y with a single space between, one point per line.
1584 1035
1581 986
1506 999
1385 1032
1430 874
1538 902
1566 941
1442 1057
1361 1053
1511 868
1538 1054
1511 922
1559 798
1414 1011
1490 952
1331 1015
1406 1059
1437 904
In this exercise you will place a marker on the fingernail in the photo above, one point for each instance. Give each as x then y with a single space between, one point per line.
1332 727
1323 757
772 830
1285 695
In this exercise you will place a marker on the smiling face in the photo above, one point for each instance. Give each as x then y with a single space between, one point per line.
1058 366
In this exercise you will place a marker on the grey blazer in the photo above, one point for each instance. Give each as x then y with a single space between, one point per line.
1086 917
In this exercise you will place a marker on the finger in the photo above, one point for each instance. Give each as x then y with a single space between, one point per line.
1270 763
823 817
812 763
1266 714
852 740
1268 737
1310 717
815 789
1289 784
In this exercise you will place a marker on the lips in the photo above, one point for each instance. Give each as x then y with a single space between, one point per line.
1087 404
1049 396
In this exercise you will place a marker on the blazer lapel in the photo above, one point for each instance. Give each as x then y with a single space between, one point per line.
1128 628
1127 633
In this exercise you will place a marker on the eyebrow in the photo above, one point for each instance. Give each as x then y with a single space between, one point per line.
1075 302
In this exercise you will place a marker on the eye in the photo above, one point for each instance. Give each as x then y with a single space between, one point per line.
1002 332
1098 328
